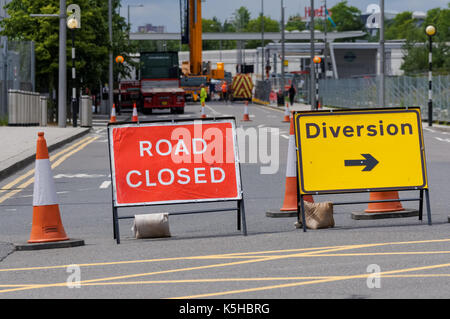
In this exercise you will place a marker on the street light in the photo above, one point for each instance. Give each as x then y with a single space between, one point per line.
317 60
430 32
73 22
134 6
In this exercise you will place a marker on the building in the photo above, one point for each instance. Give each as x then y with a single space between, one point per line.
152 28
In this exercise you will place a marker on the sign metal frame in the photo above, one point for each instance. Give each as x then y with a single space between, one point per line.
239 199
423 189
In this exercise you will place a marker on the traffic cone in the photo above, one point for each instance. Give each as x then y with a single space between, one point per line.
290 195
203 111
384 207
113 115
246 116
286 113
134 117
47 225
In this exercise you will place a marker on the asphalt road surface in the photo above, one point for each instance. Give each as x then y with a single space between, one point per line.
207 257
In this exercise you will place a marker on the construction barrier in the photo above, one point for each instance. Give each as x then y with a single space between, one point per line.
150 167
335 155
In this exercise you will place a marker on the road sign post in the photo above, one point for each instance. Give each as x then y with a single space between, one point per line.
360 150
175 162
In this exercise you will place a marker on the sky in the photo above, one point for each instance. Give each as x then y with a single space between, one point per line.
167 12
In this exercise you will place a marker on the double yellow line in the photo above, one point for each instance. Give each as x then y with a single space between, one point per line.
56 160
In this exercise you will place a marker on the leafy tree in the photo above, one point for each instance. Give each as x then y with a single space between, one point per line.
347 18
416 47
255 25
91 40
295 23
241 18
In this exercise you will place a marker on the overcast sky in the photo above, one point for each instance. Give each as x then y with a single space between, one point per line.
167 12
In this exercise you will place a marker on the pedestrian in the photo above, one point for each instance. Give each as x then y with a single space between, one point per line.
292 93
203 95
224 91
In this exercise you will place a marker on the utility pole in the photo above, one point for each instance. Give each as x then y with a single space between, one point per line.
283 55
110 82
311 58
263 56
325 42
382 56
62 75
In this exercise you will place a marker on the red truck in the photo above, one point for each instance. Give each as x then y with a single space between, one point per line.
160 82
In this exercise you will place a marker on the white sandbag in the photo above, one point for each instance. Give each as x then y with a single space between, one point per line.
151 225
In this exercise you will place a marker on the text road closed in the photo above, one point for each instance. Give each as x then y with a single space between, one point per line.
174 162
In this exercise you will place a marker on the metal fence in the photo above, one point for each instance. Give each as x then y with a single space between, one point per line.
399 91
16 69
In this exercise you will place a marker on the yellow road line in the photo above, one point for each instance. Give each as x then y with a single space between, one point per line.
238 255
304 283
54 165
8 186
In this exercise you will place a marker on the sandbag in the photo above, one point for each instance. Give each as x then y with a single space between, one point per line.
318 215
151 225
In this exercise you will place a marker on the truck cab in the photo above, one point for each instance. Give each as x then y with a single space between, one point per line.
160 82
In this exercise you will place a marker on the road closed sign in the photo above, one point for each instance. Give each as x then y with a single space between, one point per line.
174 162
360 150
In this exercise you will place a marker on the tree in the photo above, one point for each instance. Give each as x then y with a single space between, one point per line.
416 47
255 25
91 40
295 23
241 18
347 18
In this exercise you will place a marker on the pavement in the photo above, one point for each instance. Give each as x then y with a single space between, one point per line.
19 144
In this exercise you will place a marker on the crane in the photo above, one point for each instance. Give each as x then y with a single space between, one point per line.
195 71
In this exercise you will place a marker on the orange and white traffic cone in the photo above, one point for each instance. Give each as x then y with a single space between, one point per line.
203 116
246 116
134 117
286 113
113 118
47 225
384 207
290 196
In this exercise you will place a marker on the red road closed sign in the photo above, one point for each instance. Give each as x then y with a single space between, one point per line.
174 162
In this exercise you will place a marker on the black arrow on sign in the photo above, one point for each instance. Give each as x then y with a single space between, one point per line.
370 162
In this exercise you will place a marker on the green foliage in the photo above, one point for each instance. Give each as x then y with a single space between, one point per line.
416 47
91 40
295 23
347 18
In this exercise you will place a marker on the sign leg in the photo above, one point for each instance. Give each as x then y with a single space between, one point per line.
421 205
302 212
116 226
242 213
239 215
427 196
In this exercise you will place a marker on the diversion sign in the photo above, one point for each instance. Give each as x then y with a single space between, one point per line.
360 150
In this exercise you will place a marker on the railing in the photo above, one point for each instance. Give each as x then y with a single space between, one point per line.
399 91
26 109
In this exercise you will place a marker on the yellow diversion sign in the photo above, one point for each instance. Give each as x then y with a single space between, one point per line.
360 150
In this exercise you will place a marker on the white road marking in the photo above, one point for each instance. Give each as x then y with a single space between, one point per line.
105 184
285 136
443 139
78 176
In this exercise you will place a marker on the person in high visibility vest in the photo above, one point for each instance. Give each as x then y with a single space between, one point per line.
203 95
224 90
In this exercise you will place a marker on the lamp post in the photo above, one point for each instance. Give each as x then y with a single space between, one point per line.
317 61
73 22
128 17
430 31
